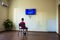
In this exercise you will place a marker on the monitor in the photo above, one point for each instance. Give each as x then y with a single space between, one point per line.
30 11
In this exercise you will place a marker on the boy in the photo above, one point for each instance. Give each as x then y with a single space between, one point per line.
23 26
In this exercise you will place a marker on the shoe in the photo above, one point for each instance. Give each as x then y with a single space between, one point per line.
24 33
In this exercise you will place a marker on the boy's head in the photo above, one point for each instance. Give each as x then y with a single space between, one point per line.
22 19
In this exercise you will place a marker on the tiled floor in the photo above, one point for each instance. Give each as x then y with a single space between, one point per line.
31 36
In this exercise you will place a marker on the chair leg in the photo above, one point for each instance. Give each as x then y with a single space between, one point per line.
26 31
18 33
21 32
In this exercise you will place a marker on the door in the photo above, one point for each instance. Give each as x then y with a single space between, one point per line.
59 18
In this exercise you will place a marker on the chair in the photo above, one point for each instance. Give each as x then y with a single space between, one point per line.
24 31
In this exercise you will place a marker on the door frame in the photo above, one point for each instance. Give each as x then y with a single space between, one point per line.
59 19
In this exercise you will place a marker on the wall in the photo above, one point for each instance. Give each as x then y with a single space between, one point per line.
3 15
44 20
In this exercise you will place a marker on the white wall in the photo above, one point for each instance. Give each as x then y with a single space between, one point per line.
44 20
3 15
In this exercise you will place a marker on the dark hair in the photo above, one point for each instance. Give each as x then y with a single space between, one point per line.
22 19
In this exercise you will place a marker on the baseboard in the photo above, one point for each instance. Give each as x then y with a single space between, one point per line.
2 31
30 31
38 31
43 31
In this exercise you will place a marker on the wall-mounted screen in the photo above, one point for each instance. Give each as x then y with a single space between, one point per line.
30 11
